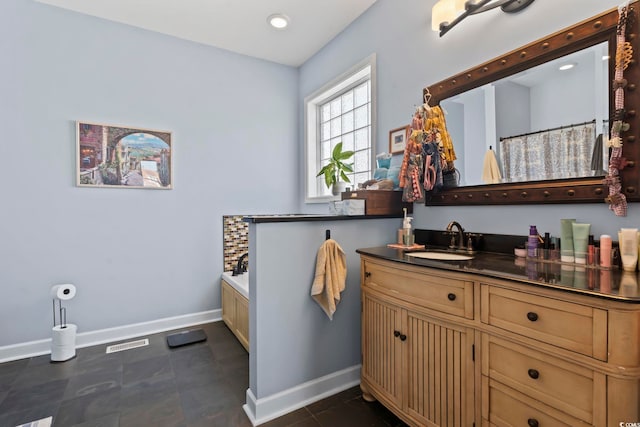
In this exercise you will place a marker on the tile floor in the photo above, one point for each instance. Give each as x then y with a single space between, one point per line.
202 384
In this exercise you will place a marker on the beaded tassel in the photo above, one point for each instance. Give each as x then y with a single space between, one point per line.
624 51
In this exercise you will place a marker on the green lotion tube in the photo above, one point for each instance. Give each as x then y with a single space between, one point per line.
580 241
566 240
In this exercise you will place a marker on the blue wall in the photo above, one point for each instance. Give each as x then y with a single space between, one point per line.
410 56
142 255
135 255
294 345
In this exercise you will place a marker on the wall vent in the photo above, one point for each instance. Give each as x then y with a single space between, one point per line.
127 345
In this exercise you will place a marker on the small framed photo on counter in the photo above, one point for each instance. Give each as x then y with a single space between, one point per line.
398 140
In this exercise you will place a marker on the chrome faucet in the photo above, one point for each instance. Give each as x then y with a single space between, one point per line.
460 234
241 265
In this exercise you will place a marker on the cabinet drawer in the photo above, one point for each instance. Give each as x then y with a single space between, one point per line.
507 407
565 386
438 292
564 324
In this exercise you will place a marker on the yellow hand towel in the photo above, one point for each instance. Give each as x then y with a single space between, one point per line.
331 276
490 170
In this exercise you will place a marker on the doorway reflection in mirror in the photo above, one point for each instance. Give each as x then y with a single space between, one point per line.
526 107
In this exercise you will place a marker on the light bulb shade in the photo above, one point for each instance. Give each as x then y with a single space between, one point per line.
459 6
443 11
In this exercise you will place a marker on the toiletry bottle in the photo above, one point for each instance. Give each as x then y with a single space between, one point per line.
638 237
546 246
580 241
407 236
591 249
616 259
605 251
566 240
555 249
629 248
532 242
638 247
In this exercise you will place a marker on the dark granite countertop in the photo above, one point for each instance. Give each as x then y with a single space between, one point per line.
609 284
306 217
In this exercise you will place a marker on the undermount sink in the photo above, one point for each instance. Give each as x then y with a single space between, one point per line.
443 256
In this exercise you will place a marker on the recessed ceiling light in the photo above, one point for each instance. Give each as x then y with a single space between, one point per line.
566 67
278 20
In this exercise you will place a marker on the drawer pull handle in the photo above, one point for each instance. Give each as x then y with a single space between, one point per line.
532 422
367 274
452 297
403 337
534 374
396 334
532 316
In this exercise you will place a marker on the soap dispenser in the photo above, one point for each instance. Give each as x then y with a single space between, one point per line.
407 234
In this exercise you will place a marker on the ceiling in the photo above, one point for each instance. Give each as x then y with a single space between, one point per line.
236 25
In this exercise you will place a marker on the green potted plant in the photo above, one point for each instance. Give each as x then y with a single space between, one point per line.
335 170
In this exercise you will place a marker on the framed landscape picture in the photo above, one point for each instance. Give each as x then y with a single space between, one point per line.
123 157
397 140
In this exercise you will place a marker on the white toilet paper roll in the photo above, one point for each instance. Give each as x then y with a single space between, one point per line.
64 336
63 343
63 292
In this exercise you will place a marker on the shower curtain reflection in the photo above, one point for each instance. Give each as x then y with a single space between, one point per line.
553 154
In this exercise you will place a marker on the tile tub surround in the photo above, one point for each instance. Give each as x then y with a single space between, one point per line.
235 232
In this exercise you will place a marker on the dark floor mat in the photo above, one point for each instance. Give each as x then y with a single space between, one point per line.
186 338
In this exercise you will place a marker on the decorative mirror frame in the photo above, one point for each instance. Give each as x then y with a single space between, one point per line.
592 31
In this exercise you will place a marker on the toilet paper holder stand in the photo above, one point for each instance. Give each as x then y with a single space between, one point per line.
63 346
63 314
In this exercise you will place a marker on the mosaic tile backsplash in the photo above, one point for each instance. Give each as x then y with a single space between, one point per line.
235 239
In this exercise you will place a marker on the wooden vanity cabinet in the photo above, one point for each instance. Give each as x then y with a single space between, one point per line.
416 362
442 348
235 313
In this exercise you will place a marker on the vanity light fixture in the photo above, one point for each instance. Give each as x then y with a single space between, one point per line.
446 14
278 21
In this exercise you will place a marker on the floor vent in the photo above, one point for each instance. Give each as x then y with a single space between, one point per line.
127 345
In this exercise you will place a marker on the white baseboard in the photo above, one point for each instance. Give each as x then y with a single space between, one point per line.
267 408
118 333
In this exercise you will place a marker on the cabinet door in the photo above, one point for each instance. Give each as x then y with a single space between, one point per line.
228 304
381 357
439 372
242 320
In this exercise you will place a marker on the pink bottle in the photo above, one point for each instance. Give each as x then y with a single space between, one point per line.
605 251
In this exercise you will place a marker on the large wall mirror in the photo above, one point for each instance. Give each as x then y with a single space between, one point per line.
544 110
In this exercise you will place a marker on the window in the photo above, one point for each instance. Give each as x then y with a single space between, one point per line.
341 111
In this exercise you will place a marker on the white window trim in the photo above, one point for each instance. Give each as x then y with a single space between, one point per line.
311 104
